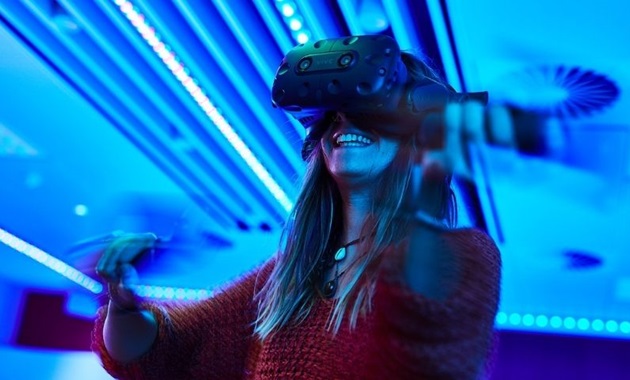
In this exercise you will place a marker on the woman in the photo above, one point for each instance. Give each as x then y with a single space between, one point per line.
372 280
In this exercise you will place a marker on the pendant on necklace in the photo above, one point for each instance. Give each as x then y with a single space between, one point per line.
330 288
341 254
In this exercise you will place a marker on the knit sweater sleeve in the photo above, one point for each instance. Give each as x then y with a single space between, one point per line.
206 339
424 338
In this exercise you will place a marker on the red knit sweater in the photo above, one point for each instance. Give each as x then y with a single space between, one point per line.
406 336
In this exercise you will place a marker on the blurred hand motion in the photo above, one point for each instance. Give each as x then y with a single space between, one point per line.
449 139
469 125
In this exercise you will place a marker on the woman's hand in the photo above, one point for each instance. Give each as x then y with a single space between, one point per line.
116 267
450 141
469 125
430 269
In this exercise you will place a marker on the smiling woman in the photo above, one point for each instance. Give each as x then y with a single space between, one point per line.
348 149
372 279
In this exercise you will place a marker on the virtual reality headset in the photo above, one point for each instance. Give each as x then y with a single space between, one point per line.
363 77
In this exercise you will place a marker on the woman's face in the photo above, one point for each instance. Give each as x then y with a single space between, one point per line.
356 155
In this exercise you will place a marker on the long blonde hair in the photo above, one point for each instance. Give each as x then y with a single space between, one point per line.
313 229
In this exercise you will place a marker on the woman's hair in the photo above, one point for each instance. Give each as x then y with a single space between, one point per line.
314 227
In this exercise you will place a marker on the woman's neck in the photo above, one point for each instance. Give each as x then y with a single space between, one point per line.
356 208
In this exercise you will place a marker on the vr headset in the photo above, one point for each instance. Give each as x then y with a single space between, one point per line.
363 77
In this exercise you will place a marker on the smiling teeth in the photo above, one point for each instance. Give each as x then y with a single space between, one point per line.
350 139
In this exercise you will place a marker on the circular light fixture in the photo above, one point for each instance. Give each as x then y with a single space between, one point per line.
560 91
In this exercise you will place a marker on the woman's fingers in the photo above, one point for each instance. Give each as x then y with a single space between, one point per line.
122 251
116 267
464 126
500 126
473 121
122 293
106 266
470 123
459 129
454 144
135 246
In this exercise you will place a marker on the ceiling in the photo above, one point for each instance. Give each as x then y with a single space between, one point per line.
92 116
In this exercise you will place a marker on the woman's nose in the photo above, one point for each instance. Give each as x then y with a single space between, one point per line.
340 119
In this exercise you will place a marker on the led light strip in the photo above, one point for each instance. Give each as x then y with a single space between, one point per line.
171 293
559 323
50 261
179 70
295 20
313 19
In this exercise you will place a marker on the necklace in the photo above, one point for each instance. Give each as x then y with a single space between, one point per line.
330 287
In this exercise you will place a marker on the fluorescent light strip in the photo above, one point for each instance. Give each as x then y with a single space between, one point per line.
351 16
12 145
266 73
402 25
50 261
463 215
276 28
444 44
171 293
180 71
555 322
